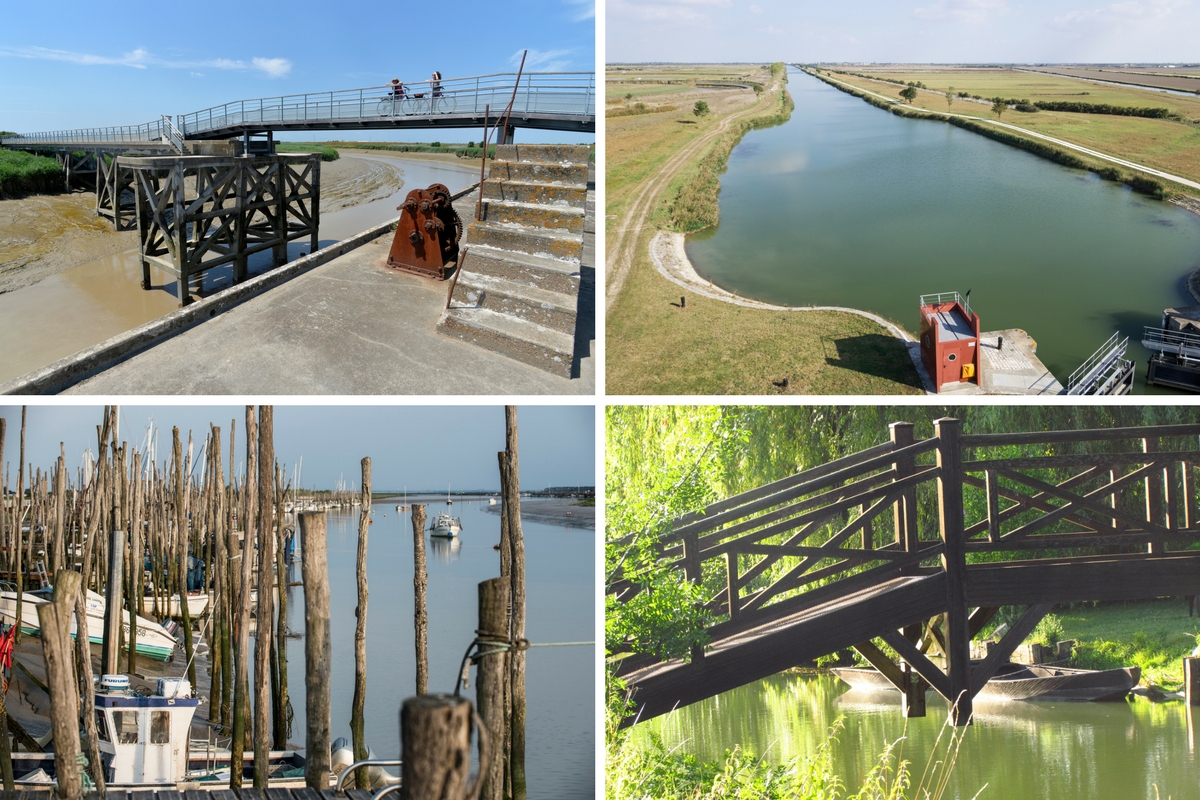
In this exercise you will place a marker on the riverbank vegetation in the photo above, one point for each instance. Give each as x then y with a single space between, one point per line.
23 173
1170 143
326 152
469 150
658 165
1153 635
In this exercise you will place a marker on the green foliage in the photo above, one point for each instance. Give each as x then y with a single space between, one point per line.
1048 632
435 144
700 109
1027 108
758 88
326 152
1105 108
999 105
909 94
24 173
403 147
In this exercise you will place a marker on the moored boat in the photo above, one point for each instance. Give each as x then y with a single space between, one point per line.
445 525
1024 682
153 640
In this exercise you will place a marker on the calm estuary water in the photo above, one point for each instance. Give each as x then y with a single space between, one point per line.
560 681
849 205
1071 751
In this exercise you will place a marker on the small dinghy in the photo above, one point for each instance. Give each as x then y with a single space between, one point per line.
1024 682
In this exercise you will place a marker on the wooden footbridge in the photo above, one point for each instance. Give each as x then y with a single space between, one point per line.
873 547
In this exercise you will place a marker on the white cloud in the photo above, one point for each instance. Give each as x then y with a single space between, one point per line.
668 10
274 67
542 60
755 10
196 74
771 30
581 9
142 59
1139 11
970 12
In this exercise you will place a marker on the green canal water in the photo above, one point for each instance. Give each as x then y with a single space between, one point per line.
1067 751
849 205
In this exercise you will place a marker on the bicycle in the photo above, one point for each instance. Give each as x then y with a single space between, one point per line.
391 106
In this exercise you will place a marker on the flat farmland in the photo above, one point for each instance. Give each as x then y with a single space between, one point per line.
1183 82
1169 145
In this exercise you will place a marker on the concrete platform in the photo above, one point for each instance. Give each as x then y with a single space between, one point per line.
1013 369
350 326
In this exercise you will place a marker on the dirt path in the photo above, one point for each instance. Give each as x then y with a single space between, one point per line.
620 256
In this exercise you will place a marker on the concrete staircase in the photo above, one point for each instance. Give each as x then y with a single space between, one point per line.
518 290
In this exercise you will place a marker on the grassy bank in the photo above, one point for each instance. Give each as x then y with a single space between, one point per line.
663 173
327 153
22 173
1171 144
695 207
1153 635
470 150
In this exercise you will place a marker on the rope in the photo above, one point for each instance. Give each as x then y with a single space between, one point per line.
499 645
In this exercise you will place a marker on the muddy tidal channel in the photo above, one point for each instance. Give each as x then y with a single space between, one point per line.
68 281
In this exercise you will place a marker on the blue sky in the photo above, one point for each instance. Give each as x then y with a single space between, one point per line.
946 31
409 446
92 64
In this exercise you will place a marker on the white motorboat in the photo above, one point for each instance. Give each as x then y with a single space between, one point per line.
153 640
445 525
197 604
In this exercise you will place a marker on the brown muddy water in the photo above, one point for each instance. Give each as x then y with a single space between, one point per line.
74 308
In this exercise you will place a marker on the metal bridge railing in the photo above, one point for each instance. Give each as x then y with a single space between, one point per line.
1101 371
149 132
1184 345
540 93
947 297
567 94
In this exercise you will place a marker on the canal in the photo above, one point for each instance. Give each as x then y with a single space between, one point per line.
849 205
1098 751
560 570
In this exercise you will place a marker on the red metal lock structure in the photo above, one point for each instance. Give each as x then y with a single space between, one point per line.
427 234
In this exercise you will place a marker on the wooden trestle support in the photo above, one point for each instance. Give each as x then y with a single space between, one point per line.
803 567
195 213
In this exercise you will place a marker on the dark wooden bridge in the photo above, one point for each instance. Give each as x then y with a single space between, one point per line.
874 546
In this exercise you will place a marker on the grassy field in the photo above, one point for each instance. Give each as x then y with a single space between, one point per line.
1154 636
327 153
712 347
1168 145
23 173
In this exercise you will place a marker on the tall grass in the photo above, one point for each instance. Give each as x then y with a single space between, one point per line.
402 147
653 771
695 207
326 152
23 173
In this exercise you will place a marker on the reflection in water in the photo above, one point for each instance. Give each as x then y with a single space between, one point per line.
1019 749
848 205
86 305
445 549
560 569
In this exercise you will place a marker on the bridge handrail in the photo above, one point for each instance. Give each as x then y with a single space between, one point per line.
569 94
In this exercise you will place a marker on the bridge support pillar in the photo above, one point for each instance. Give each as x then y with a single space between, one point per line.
236 208
912 703
954 562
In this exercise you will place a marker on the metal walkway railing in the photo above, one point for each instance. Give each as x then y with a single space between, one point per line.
540 95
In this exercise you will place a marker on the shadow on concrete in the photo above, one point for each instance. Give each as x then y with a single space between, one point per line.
585 319
875 354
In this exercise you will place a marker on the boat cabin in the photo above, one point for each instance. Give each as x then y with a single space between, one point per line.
144 740
949 339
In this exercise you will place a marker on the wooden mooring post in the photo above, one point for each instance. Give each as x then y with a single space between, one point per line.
362 777
1191 680
420 615
315 572
491 677
435 736
512 509
55 620
265 623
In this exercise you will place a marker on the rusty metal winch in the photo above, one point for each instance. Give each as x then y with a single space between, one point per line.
427 234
